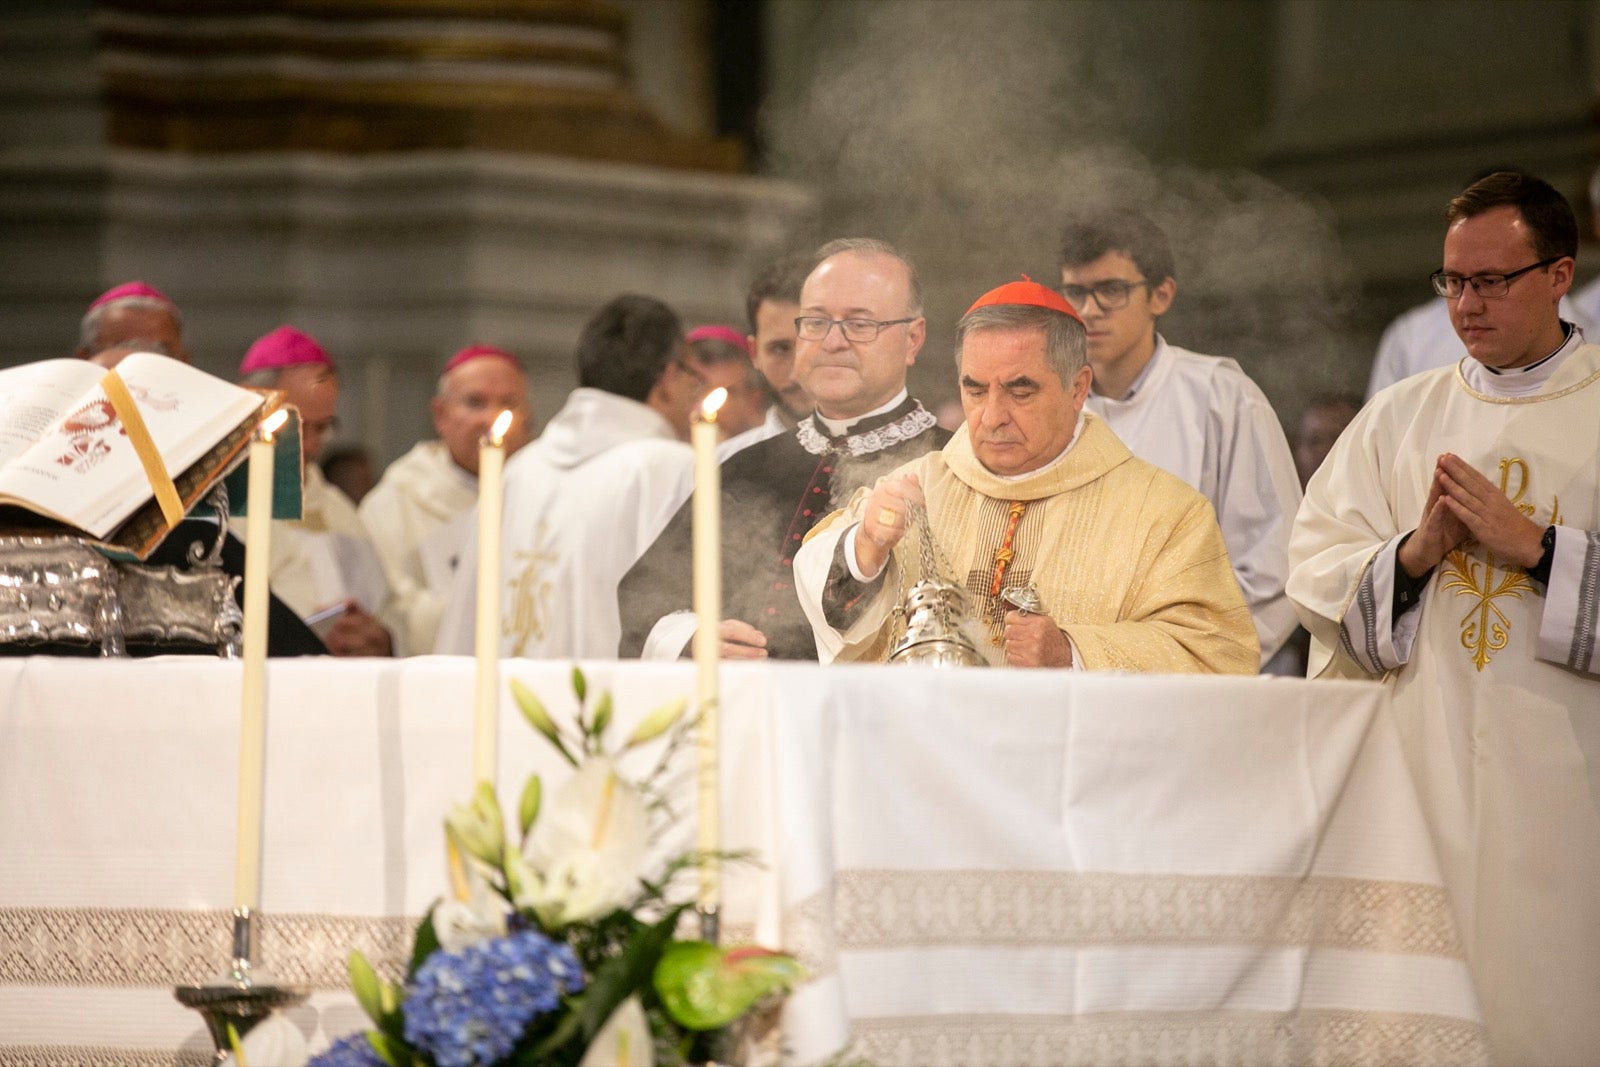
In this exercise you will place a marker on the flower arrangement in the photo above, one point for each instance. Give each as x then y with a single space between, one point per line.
555 948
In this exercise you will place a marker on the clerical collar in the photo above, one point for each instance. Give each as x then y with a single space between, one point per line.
1077 432
899 420
1522 381
1567 330
838 427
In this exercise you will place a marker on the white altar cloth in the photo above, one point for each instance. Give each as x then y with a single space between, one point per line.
1000 867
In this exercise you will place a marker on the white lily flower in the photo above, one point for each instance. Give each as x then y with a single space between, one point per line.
273 1042
479 827
460 923
624 1041
588 847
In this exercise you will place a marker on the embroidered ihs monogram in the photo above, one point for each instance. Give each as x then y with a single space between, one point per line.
1485 629
530 591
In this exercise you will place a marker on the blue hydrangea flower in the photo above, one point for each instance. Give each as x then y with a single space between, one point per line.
469 1008
351 1051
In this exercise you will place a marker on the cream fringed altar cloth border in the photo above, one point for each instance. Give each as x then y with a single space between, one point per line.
985 867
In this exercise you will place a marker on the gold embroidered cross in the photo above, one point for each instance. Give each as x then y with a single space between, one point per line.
530 592
1485 629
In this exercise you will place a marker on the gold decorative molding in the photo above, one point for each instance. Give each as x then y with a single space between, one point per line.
576 12
361 76
459 48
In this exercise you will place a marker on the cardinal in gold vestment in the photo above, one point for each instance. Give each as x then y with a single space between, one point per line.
1127 560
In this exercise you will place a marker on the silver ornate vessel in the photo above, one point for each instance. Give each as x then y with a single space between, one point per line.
1025 598
59 590
934 611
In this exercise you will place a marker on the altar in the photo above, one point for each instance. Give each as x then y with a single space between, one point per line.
976 867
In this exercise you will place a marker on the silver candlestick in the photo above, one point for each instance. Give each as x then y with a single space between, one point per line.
244 995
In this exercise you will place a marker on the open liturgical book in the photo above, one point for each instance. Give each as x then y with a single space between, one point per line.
67 458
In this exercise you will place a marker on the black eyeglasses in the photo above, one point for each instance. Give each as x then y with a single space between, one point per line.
690 369
1111 295
1488 286
816 327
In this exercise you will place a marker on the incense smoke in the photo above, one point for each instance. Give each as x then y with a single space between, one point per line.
963 132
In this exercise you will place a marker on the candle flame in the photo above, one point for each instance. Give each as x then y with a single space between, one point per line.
502 423
713 404
273 423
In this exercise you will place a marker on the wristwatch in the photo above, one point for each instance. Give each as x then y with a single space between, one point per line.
1541 571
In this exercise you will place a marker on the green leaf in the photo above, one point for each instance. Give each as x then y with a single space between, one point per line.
528 809
367 986
657 722
533 1056
236 1048
602 714
425 945
706 988
571 1026
388 1049
391 995
580 685
626 973
534 711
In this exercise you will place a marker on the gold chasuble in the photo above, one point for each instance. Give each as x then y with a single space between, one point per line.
1494 678
1127 559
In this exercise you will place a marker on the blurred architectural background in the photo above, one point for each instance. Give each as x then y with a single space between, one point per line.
401 177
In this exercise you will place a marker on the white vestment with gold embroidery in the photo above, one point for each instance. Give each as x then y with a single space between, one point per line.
1495 680
326 556
582 503
412 516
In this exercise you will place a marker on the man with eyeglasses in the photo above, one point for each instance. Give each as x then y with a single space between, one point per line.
1422 338
586 498
1198 417
325 560
1450 545
859 329
1125 562
417 513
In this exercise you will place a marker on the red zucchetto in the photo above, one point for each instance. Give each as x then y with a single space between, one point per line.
1025 291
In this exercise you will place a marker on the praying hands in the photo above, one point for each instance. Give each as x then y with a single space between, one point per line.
1486 513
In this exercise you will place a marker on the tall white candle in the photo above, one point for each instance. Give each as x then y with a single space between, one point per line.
707 515
486 702
253 696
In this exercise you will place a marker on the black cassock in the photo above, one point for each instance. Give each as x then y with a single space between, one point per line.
773 492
